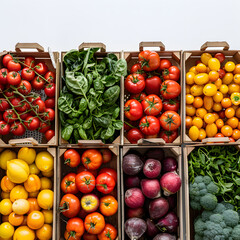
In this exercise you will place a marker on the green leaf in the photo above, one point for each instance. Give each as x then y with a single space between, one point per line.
87 123
118 124
82 133
111 95
107 133
103 121
65 102
116 113
67 132
82 105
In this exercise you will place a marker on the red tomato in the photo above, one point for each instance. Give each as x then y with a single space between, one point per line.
81 168
4 105
109 171
88 236
44 127
138 96
72 158
164 64
41 68
17 128
14 65
1 87
149 125
92 159
105 183
9 92
220 57
50 77
170 89
25 87
197 62
152 105
4 128
39 105
171 105
172 73
50 103
85 182
133 110
149 60
50 90
68 184
222 114
6 59
38 83
33 99
153 85
3 76
30 62
106 155
9 116
19 105
170 120
13 78
49 134
32 123
23 116
134 83
136 68
75 228
49 114
221 73
133 135
168 136
27 74
69 205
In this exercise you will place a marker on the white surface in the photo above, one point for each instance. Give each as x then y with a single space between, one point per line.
122 24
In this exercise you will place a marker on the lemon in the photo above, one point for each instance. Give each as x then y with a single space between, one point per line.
5 207
21 206
27 154
5 156
18 192
44 161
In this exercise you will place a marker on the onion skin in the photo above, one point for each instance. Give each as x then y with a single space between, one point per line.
169 164
152 168
135 228
172 200
134 198
135 212
170 183
165 236
169 223
152 230
132 164
151 188
156 153
132 181
158 208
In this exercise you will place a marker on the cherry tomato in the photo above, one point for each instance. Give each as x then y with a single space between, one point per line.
149 125
172 73
152 105
41 68
17 128
50 103
50 90
68 184
19 105
14 65
3 76
39 106
138 96
50 77
171 105
4 128
38 83
44 127
153 85
6 59
4 105
134 83
133 135
221 73
49 114
27 74
29 61
164 64
220 57
49 134
32 123
13 78
24 87
149 60
133 110
9 116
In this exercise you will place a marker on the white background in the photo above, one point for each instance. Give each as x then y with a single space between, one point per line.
64 24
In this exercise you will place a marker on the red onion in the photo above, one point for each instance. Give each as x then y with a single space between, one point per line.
152 168
150 188
158 208
170 183
135 212
172 200
169 223
135 228
134 198
152 230
165 236
132 164
155 153
132 181
169 164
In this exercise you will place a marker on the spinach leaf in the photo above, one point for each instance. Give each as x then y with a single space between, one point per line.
111 95
83 105
67 132
107 133
120 69
65 102
82 133
103 121
87 123
116 112
118 124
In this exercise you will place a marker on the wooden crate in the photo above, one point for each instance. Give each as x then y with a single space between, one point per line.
169 151
189 58
99 56
132 58
52 61
38 149
63 170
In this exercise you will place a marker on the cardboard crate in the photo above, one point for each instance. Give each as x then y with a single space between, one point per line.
63 170
99 55
189 57
132 58
169 151
52 61
38 149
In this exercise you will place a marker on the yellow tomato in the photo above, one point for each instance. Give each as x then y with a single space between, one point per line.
46 183
45 232
190 110
190 78
223 89
229 112
5 207
189 99
21 206
217 107
201 68
201 78
15 219
218 83
208 102
33 194
33 169
209 118
5 195
188 87
198 122
233 87
218 97
210 90
237 113
216 116
194 133
211 130
229 66
198 102
44 161
27 154
237 69
18 192
17 170
5 156
6 184
232 122
201 112
45 199
35 220
202 134
7 230
196 90
214 64
236 78
48 216
226 131
213 76
188 122
33 183
227 79
205 57
48 174
24 233
193 70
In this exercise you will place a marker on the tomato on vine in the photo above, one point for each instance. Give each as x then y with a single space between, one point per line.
17 128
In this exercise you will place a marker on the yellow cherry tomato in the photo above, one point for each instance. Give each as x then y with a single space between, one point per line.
196 90
48 174
218 83
201 68
227 79
45 199
188 121
190 110
46 183
33 169
190 78
237 113
233 87
209 90
6 156
208 102
219 123
227 131
217 98
213 76
198 102
217 107
18 192
198 122
5 195
44 161
188 87
214 64
45 232
216 116
194 133
202 134
201 112
27 154
33 183
6 230
201 78
223 89
21 206
24 233
211 130
237 69
236 78
6 184
33 194
193 70
229 66
229 112
48 216
233 122
189 99
5 207
205 57
209 118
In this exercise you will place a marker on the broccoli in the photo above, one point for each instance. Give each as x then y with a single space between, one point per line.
220 208
208 201
236 233
231 218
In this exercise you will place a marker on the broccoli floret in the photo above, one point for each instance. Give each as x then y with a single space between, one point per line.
203 192
201 186
198 179
216 218
231 218
227 231
195 205
209 201
220 208
212 188
207 179
213 230
228 205
199 227
236 233
206 215
197 237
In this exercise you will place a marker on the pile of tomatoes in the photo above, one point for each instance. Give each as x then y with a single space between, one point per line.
89 195
26 193
154 99
22 109
213 98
